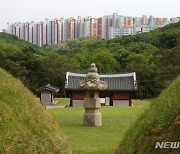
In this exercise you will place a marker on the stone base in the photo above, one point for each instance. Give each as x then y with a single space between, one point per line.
92 118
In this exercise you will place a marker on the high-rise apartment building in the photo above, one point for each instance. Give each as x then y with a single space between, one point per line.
99 27
144 20
62 29
93 27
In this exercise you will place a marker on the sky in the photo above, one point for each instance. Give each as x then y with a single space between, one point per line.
37 10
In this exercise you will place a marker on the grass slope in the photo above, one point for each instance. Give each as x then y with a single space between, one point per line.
25 127
161 122
104 139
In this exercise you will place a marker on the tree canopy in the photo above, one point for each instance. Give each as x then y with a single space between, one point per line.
154 56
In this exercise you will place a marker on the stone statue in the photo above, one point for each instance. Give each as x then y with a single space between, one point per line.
92 85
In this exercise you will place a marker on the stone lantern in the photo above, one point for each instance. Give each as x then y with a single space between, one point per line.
92 85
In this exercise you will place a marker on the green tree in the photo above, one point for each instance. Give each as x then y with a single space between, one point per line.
142 64
167 67
104 60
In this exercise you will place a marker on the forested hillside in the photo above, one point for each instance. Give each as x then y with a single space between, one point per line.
154 56
31 64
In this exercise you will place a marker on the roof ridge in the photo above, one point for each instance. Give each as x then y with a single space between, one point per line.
102 75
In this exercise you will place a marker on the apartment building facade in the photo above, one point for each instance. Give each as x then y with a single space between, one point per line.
60 30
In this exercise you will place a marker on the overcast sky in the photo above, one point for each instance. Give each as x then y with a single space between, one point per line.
37 10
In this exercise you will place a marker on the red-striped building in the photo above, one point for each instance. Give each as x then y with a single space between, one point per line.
120 89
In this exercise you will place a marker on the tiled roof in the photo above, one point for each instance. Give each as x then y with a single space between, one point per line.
48 87
115 82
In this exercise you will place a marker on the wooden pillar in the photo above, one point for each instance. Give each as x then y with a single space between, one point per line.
130 102
40 97
71 99
51 97
111 99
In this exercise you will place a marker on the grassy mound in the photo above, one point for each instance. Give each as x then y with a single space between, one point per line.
25 127
160 123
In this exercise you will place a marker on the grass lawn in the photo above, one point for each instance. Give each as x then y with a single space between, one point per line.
104 139
61 102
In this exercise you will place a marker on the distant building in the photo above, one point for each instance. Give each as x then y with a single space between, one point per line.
145 29
60 30
47 93
120 89
114 31
144 20
174 19
127 31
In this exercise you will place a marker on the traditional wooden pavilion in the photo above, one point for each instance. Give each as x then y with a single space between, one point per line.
120 88
47 94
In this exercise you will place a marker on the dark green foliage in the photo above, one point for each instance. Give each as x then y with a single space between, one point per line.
32 65
167 66
154 56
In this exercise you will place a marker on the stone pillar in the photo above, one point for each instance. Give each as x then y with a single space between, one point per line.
92 116
92 85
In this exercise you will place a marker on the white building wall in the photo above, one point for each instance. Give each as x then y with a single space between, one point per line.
56 25
27 31
174 19
145 29
136 30
50 32
86 27
72 29
53 32
77 103
45 97
137 21
44 33
114 31
36 37
31 32
144 20
127 31
75 30
18 31
104 18
81 29
64 39
9 28
22 29
40 34
59 32
120 102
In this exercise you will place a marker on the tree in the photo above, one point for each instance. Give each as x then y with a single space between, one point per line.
142 64
105 61
167 67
